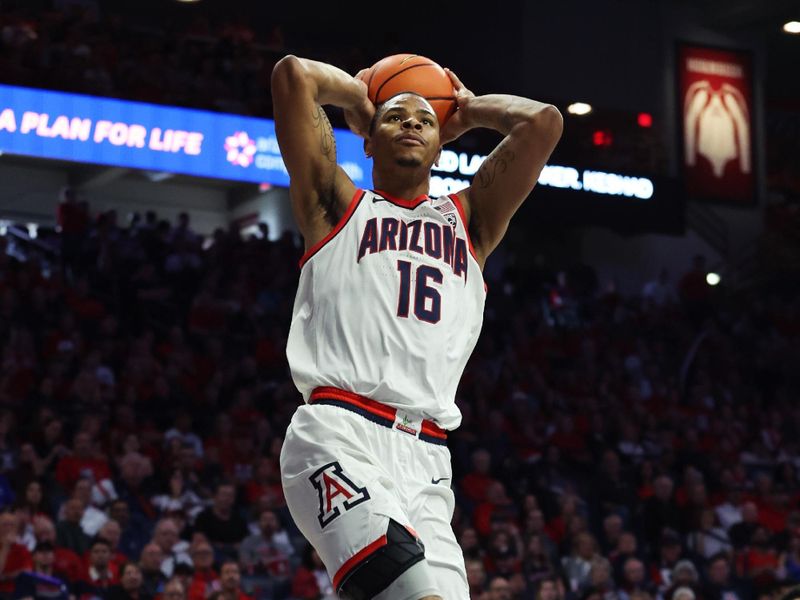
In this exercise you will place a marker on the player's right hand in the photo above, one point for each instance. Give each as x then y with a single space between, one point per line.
359 118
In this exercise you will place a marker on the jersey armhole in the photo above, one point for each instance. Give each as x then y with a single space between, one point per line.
462 216
351 208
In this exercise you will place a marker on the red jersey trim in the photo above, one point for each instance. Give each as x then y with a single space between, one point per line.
358 557
351 208
401 202
367 404
457 202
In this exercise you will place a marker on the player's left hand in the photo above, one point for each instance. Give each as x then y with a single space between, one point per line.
457 124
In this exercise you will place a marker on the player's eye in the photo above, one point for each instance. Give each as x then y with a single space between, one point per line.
427 121
394 117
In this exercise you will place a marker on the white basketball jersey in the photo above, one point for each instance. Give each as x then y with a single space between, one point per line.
390 305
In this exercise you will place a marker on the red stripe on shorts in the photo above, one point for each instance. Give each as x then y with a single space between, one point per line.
353 561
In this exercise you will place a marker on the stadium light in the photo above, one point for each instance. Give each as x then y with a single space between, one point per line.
792 27
579 108
712 278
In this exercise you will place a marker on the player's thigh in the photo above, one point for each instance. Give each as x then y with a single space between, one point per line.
339 496
431 511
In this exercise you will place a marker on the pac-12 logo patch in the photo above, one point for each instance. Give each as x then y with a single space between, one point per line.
336 492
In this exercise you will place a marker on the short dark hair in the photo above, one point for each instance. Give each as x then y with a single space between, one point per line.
229 561
44 547
99 540
127 564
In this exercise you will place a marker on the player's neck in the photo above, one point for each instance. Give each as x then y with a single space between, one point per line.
405 188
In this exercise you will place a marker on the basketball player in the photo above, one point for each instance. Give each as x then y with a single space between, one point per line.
388 309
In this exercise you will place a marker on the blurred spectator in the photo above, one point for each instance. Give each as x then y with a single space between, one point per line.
499 589
578 564
98 576
205 577
230 581
670 551
742 532
709 539
612 530
221 523
173 549
758 561
268 552
82 460
548 589
613 491
311 580
183 432
474 484
69 532
174 589
92 518
660 511
40 582
135 529
131 486
634 580
130 586
721 584
537 566
67 564
476 577
496 509
153 578
684 576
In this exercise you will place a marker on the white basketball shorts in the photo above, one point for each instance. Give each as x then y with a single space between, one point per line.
349 464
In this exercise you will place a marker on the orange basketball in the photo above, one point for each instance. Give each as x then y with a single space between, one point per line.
412 73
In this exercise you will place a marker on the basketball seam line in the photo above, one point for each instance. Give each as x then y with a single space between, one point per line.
369 83
378 92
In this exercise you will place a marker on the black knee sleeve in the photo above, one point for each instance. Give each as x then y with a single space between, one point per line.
374 574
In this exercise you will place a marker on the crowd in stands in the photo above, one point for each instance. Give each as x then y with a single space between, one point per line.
612 448
219 65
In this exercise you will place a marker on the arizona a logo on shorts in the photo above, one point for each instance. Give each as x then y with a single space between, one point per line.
336 492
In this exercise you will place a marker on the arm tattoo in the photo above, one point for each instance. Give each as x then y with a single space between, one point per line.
495 165
327 198
326 138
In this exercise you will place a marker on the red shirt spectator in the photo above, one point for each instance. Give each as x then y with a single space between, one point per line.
475 483
15 558
73 466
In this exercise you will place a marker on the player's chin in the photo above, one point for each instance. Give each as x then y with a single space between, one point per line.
409 160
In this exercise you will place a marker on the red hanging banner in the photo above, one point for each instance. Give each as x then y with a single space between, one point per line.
716 103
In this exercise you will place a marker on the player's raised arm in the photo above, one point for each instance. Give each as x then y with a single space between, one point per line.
531 129
320 190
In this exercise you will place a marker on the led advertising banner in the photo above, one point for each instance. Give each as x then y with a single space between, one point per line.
716 103
89 129
105 131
